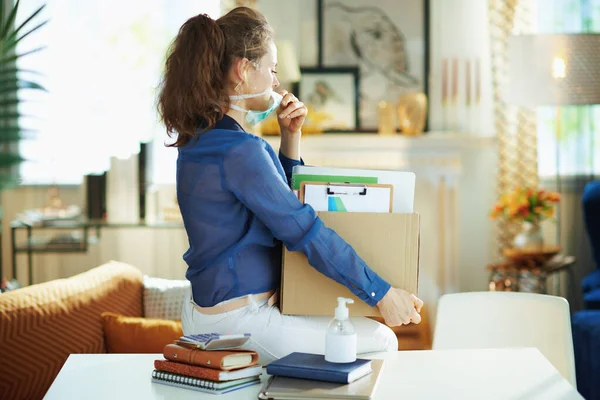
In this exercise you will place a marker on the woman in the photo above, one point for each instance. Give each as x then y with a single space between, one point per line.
235 199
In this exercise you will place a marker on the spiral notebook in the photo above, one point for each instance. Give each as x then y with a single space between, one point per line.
201 385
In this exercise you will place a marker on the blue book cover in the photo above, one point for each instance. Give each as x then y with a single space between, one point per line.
314 366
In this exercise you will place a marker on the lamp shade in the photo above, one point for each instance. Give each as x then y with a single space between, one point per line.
554 69
288 70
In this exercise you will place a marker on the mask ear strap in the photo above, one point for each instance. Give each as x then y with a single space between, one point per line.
237 108
249 96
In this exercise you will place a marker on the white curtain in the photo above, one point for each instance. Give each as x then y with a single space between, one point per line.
101 65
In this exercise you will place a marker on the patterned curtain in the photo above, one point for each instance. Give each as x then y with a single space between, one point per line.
515 127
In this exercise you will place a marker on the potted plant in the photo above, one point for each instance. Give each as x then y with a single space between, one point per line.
12 80
528 206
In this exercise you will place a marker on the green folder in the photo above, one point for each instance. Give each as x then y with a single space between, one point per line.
297 179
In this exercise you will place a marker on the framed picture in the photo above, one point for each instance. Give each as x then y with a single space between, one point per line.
331 96
386 39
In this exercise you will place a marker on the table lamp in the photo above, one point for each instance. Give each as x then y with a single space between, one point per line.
554 70
288 70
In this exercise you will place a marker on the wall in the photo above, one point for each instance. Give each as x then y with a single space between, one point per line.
458 29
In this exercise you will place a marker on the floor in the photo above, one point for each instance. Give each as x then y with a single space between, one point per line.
414 337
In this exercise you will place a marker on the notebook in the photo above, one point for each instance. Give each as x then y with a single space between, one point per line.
206 373
217 359
186 382
314 366
282 388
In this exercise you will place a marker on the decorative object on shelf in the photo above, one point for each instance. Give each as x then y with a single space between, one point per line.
531 256
526 274
528 206
388 43
412 113
530 237
331 96
8 285
460 81
386 123
54 213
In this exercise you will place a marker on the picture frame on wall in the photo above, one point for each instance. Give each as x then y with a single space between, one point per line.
332 98
387 40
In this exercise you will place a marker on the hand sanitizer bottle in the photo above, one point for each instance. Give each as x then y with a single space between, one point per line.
340 342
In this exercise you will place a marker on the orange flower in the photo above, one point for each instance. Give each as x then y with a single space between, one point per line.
554 197
539 210
549 212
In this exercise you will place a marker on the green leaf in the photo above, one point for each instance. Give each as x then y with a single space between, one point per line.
10 86
10 20
11 43
534 201
10 159
14 134
9 102
15 57
12 71
14 34
7 116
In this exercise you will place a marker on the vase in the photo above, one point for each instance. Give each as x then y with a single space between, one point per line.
530 237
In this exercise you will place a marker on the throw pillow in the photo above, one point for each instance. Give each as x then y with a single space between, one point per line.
137 334
163 298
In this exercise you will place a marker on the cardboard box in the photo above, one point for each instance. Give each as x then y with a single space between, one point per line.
388 243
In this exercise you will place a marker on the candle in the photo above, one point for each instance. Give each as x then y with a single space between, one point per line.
468 82
444 81
454 80
477 81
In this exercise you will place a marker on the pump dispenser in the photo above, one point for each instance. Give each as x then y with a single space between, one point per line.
340 342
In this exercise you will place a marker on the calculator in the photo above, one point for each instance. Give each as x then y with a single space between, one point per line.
214 341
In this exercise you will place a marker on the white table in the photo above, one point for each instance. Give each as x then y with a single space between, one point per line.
440 374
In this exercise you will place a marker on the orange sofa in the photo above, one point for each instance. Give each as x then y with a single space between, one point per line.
41 325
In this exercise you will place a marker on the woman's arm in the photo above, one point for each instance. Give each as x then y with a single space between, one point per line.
288 165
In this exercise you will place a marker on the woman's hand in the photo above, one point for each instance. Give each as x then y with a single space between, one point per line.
398 307
291 114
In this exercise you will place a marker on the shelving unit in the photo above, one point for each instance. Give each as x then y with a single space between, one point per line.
35 245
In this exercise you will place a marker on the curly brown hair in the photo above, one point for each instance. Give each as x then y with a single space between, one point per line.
193 94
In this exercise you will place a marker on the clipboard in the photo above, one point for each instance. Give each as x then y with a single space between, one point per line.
347 197
402 181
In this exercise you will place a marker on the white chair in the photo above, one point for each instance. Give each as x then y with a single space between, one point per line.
507 319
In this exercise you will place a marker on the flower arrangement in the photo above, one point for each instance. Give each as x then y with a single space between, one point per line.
526 205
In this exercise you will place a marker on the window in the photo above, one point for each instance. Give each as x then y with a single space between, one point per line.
575 152
101 66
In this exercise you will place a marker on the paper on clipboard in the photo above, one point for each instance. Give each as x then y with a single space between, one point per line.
335 197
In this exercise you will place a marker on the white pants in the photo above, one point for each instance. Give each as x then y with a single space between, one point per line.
275 335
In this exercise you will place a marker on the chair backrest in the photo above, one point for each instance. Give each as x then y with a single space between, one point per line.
507 319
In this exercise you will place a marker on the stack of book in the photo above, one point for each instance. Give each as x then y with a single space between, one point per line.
189 366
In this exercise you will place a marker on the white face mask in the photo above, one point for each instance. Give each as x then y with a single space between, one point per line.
254 117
